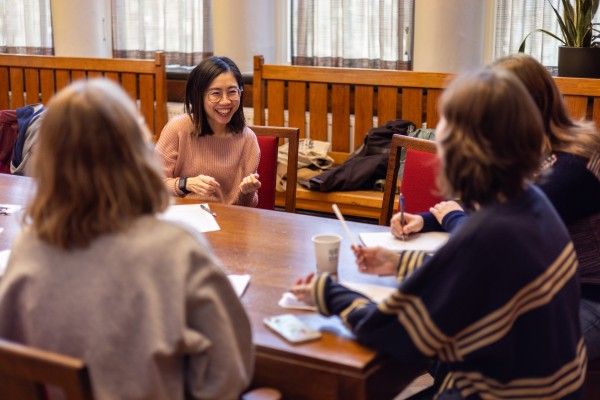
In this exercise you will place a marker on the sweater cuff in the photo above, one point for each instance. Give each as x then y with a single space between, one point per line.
319 289
430 224
409 261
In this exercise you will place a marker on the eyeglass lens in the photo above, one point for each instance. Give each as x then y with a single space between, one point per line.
214 96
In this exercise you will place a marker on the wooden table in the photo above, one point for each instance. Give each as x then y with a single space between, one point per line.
275 248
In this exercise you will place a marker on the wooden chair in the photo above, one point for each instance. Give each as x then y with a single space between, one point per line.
268 140
418 180
25 372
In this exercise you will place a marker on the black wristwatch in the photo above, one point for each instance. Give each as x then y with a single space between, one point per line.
182 186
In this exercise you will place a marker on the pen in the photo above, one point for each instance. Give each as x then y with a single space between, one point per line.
403 236
340 217
208 210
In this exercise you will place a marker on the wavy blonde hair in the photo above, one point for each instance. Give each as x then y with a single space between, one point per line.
493 137
94 166
562 133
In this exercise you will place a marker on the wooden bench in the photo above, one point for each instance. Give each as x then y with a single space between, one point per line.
27 79
328 102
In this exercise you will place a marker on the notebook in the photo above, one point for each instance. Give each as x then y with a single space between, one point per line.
428 241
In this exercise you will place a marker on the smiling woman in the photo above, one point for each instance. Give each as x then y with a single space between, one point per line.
209 153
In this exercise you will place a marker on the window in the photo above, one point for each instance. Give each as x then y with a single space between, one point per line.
25 27
516 18
352 33
181 28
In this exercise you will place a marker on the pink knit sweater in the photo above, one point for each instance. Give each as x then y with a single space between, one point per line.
228 159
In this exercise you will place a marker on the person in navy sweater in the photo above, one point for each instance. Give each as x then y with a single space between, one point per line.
570 178
478 305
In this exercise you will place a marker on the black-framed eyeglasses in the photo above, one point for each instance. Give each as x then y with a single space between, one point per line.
215 95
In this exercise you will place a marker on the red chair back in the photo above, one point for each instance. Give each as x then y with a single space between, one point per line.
267 170
418 184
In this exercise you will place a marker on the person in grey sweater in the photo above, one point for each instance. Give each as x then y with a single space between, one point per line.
95 275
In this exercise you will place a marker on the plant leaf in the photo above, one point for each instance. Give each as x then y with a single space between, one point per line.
522 45
563 28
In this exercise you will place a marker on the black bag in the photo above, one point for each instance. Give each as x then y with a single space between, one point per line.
367 164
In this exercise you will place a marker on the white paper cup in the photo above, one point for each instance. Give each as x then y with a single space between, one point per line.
327 252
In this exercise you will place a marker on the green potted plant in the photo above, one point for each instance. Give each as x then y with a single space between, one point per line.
579 54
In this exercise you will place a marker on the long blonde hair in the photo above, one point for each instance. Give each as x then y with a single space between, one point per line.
562 133
94 167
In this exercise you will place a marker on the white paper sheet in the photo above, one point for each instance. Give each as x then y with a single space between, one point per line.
239 283
4 254
429 241
6 209
193 215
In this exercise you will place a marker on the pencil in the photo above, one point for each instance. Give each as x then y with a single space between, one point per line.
403 236
340 217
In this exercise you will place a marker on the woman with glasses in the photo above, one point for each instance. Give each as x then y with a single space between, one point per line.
209 153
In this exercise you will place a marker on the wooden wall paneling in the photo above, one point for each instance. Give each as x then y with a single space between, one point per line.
387 102
147 99
16 87
4 89
340 119
129 83
275 92
62 78
412 105
433 96
32 86
47 87
576 106
363 113
296 99
317 93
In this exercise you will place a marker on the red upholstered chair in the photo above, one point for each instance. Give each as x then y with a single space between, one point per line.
268 140
418 179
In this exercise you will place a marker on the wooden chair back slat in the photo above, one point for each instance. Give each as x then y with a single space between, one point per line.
317 93
24 370
387 104
412 105
47 85
4 89
146 96
340 117
32 86
363 113
432 117
596 112
576 106
297 106
129 83
258 96
16 87
27 79
275 92
63 78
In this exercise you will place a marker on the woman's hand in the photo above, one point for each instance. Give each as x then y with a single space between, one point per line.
441 209
204 185
376 260
250 184
412 223
302 289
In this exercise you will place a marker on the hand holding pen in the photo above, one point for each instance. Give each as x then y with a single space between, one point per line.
411 223
402 221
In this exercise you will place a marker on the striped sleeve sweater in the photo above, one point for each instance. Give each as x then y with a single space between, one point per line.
227 159
497 306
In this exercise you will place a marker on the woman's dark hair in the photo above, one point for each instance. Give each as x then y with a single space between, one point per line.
493 137
198 82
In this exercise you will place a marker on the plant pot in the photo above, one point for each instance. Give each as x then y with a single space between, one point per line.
579 62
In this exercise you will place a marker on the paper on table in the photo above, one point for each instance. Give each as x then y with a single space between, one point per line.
376 293
239 283
6 209
4 254
428 241
192 215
